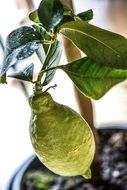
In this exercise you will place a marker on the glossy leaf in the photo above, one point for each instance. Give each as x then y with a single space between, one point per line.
50 13
34 17
20 44
26 74
54 61
106 48
20 37
19 54
93 79
86 15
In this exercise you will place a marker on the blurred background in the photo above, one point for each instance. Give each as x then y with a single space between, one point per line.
15 144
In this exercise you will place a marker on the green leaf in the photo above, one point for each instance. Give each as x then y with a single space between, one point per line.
19 54
33 16
20 37
26 74
93 79
50 13
86 15
106 48
20 44
54 61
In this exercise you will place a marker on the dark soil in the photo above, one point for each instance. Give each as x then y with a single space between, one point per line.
113 168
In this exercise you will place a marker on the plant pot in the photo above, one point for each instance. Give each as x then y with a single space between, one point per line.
113 168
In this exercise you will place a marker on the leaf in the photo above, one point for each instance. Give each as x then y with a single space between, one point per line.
54 61
50 13
34 17
19 54
92 79
26 74
106 48
20 44
86 15
20 37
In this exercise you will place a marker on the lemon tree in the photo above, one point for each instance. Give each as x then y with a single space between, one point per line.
62 139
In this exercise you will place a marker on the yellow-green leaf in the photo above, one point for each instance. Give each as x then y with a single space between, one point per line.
93 79
105 47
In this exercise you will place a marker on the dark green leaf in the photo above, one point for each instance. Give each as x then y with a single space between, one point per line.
104 47
19 54
20 44
20 37
86 16
50 13
26 74
54 61
34 17
93 79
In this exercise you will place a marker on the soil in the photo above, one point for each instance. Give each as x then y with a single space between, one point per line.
113 168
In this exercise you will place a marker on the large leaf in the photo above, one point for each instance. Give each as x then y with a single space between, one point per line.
25 74
20 44
20 37
104 47
93 79
54 61
50 13
19 54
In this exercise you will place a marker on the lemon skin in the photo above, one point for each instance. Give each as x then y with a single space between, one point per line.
62 139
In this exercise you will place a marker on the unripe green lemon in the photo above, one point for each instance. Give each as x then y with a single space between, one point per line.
63 141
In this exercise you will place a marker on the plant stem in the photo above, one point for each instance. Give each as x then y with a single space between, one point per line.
52 68
38 84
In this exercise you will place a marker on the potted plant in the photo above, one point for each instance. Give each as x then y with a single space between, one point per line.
62 139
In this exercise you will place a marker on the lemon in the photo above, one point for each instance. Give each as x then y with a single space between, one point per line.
62 140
